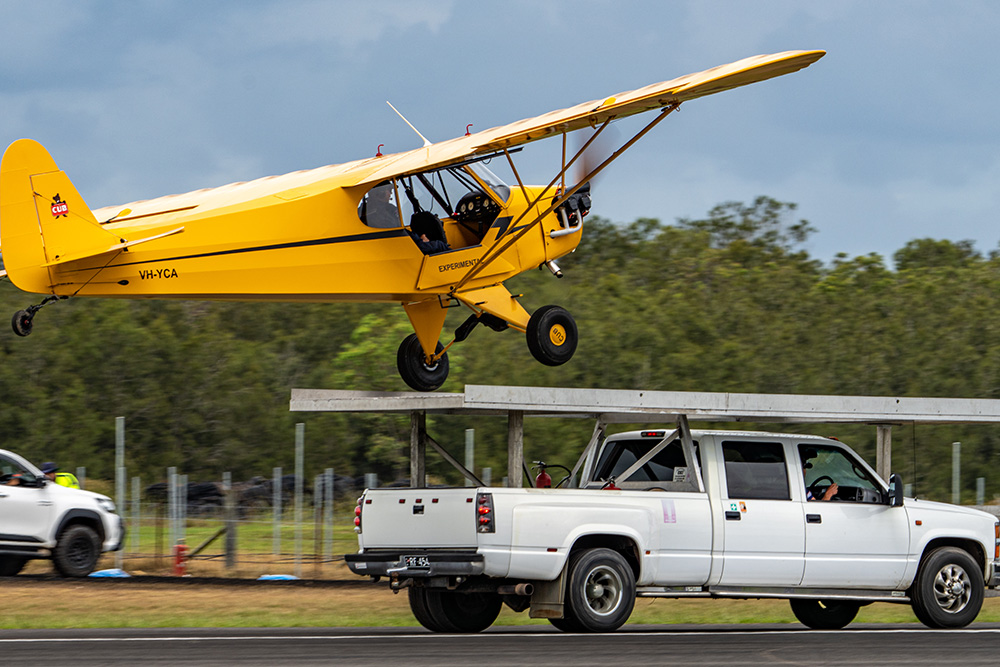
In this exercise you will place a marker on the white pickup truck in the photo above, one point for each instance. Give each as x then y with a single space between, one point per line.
676 513
42 519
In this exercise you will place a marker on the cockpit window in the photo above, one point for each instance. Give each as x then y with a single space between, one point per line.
378 207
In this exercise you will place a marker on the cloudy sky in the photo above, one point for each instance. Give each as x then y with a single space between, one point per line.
892 136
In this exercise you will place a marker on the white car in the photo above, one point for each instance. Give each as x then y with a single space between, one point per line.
42 519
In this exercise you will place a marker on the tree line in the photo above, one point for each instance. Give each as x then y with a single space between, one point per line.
727 303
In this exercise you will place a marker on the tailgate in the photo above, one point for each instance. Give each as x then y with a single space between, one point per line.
428 518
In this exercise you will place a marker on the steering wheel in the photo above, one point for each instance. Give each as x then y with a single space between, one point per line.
815 486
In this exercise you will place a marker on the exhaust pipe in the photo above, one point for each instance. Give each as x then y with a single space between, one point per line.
516 589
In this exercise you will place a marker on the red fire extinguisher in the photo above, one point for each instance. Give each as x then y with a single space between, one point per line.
543 480
180 559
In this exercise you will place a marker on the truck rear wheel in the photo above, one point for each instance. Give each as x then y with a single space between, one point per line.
77 551
948 591
601 590
824 614
418 605
448 611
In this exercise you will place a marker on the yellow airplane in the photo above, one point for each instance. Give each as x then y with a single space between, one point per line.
430 228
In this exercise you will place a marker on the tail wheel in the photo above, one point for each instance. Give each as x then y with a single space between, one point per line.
552 335
21 322
414 369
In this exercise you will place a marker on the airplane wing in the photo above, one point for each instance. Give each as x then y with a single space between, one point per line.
368 171
589 114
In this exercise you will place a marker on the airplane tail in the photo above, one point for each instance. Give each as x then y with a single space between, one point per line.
43 219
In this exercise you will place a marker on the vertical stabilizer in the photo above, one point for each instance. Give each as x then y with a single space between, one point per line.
42 217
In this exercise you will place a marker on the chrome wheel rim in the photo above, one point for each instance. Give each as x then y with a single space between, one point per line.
603 590
952 588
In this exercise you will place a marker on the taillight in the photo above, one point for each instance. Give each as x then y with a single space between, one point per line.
996 549
357 515
484 513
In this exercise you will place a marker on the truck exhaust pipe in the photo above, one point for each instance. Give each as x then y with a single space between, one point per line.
516 589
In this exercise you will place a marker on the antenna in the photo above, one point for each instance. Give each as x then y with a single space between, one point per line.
426 143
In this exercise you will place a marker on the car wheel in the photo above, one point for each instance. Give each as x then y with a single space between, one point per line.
77 551
948 591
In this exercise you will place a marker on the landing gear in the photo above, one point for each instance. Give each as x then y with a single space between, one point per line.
22 320
552 335
414 369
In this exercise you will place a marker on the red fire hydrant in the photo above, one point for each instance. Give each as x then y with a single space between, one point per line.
180 559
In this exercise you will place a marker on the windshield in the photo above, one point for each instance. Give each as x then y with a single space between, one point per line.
500 189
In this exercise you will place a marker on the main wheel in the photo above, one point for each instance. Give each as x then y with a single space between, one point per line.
21 322
415 370
11 565
824 614
77 551
948 591
601 590
552 335
462 612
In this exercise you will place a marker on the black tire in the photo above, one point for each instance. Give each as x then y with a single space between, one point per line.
601 590
552 335
418 605
568 622
413 366
462 612
21 322
11 565
948 591
825 614
77 551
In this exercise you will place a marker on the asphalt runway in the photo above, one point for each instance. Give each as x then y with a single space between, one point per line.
727 646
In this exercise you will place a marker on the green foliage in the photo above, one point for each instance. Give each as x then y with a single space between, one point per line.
730 302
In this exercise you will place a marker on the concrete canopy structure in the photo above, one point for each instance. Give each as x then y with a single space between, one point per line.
607 406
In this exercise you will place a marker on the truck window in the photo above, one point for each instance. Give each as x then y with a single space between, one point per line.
667 467
756 470
823 465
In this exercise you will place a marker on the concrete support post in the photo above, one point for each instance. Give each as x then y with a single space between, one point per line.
300 445
470 453
515 448
278 491
956 470
883 451
418 449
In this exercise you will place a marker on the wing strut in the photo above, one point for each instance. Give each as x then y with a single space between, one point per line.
500 247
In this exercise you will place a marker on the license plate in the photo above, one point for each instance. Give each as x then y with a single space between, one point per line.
416 561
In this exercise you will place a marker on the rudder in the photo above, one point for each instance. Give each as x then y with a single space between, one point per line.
42 217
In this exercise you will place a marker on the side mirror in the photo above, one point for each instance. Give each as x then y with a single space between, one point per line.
895 490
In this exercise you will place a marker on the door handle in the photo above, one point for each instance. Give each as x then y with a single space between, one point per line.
732 516
814 518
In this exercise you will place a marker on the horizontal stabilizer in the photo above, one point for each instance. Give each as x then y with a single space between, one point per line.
121 245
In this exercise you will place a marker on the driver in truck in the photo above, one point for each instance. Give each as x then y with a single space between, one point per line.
831 490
